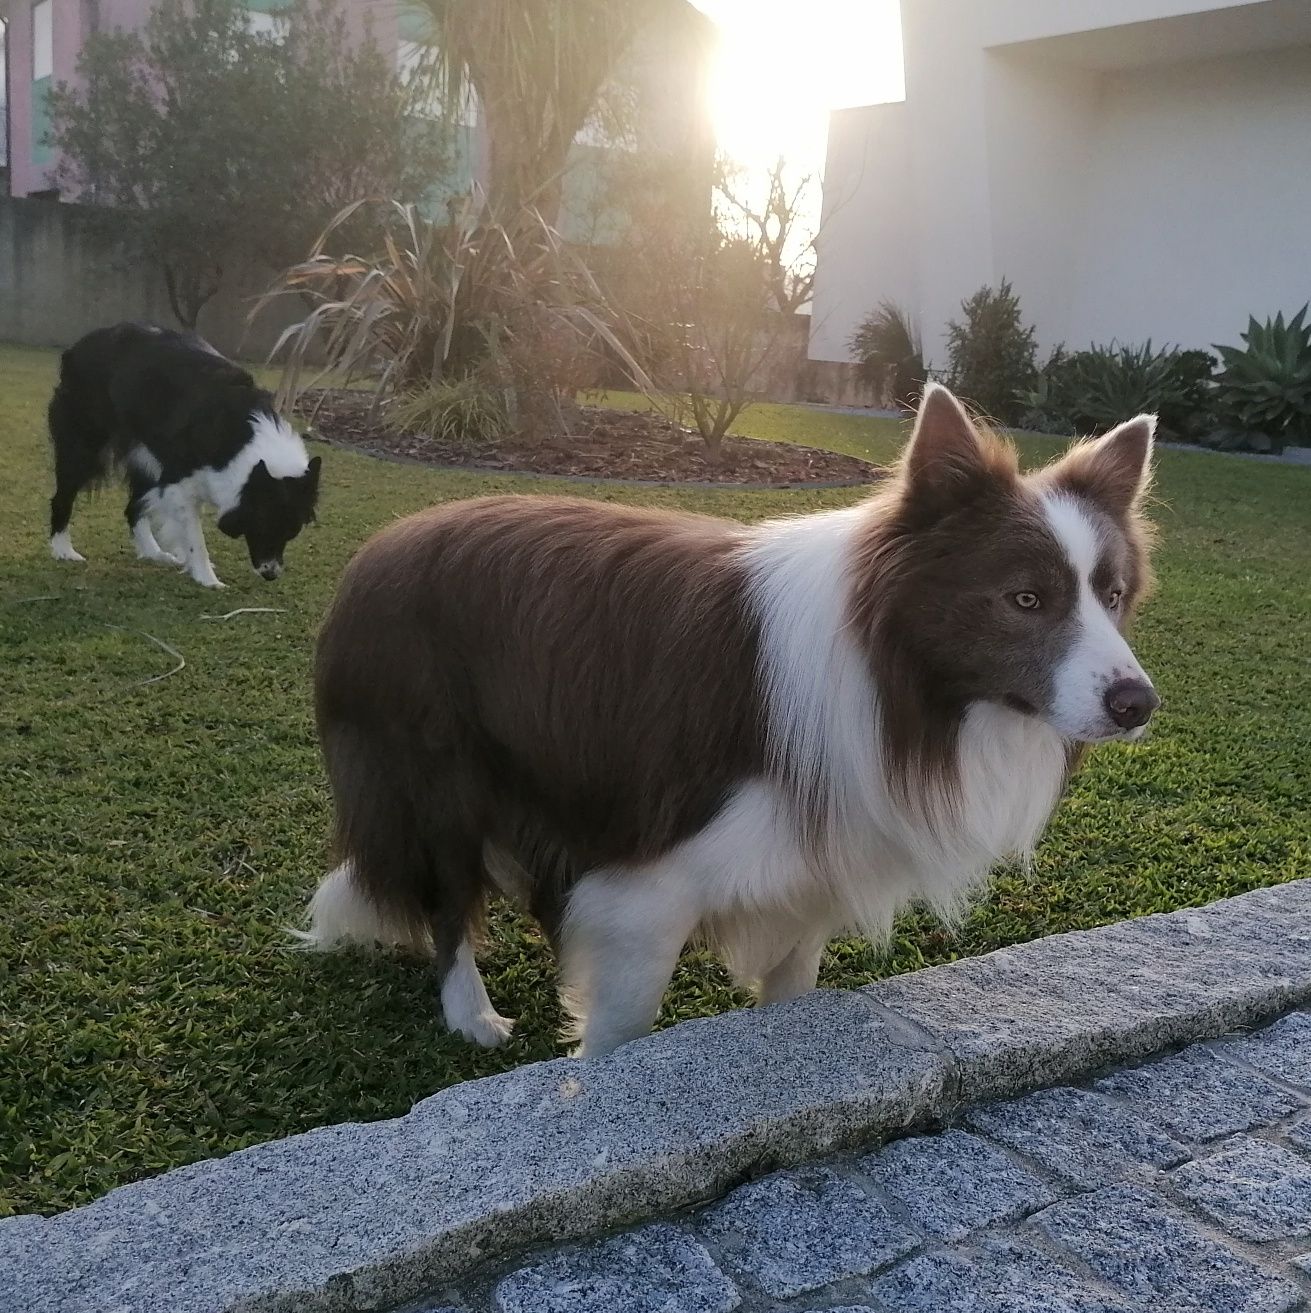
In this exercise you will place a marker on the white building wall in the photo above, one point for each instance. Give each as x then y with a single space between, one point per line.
1126 189
1040 153
865 225
1002 21
1200 202
951 218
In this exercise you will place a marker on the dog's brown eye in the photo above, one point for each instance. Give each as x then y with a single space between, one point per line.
1027 601
1113 599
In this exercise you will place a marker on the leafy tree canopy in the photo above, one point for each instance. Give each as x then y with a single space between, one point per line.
218 144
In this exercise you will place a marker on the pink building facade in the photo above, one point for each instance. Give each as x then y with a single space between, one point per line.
44 38
669 69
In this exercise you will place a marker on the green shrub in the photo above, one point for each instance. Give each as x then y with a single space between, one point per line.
1264 392
887 344
992 356
1091 391
1045 406
467 413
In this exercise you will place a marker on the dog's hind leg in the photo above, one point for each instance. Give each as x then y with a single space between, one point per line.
619 944
76 466
413 848
61 544
454 895
342 913
465 1005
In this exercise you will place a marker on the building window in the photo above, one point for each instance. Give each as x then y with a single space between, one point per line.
43 40
4 94
263 23
43 68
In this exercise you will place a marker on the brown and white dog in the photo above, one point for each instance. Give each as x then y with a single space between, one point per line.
652 727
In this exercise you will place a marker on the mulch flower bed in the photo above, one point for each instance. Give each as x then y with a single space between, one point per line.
604 444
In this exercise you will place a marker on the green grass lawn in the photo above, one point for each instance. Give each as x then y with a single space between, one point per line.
155 840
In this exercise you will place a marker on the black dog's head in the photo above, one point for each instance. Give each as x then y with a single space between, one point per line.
271 512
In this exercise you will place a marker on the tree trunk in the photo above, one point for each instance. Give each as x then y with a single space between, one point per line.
189 292
516 178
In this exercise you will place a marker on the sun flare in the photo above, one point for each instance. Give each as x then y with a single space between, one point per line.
782 66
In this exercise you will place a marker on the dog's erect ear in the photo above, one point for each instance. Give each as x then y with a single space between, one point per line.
312 471
260 474
1114 470
945 456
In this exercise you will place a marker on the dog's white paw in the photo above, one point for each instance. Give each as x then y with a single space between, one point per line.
62 549
160 557
489 1029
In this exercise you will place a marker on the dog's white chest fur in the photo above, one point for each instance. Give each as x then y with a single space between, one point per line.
761 885
760 878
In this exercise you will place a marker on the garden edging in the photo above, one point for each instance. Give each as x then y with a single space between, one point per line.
364 1216
489 472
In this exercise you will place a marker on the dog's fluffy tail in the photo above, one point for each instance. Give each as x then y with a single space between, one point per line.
341 913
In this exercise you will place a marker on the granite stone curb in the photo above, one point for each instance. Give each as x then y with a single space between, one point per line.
365 1216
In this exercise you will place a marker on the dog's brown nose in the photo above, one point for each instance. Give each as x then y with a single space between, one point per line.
1130 702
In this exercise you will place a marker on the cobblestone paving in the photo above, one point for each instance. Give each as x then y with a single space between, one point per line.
1181 1186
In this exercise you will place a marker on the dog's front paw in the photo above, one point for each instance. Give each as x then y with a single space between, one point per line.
489 1029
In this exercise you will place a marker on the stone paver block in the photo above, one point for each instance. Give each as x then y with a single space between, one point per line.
1134 1242
955 1183
1283 1050
1085 1138
1254 1189
795 1232
1000 1277
554 1150
1199 1096
655 1269
1052 1010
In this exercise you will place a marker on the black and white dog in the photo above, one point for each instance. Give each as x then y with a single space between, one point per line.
184 426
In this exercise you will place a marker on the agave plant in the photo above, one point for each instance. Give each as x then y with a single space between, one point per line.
1091 391
1045 407
1265 388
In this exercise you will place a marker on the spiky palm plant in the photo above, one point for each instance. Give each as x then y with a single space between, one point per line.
438 302
886 340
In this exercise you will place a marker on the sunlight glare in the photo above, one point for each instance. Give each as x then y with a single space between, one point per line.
782 66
